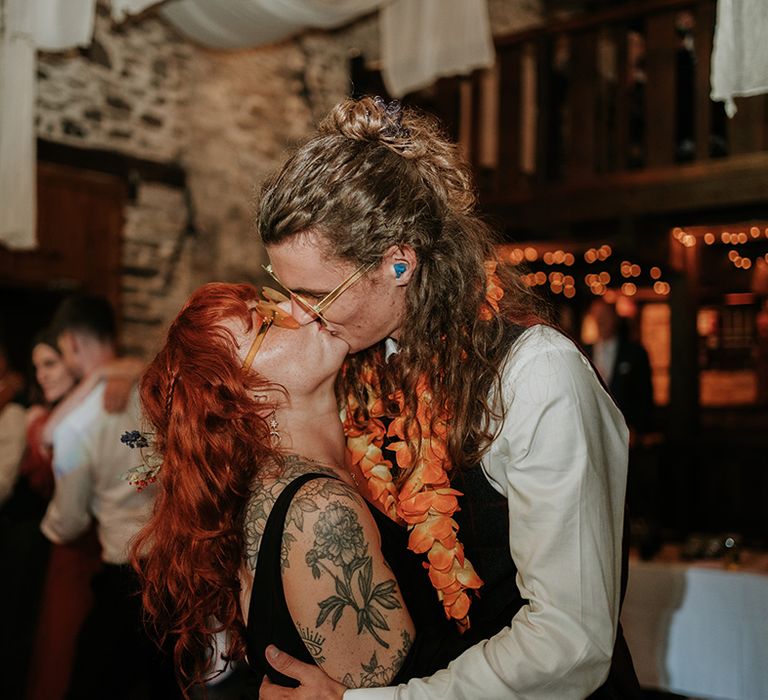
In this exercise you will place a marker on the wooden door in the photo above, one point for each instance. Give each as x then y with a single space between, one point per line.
79 229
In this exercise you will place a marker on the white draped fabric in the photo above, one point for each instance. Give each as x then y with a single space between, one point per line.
17 143
740 53
237 24
422 40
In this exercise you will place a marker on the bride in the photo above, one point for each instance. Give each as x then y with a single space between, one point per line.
258 528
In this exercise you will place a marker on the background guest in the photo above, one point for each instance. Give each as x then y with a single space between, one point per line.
624 367
114 658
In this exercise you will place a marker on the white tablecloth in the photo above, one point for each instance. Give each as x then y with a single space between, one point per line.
699 629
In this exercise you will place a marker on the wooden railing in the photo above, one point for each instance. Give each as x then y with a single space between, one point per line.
586 99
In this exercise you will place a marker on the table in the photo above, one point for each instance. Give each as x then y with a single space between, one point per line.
699 629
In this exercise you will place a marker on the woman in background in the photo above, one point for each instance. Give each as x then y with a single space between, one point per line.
66 596
24 548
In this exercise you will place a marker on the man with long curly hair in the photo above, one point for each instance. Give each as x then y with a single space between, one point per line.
469 419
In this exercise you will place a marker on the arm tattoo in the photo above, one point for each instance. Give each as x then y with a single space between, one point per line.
374 674
264 493
340 551
314 641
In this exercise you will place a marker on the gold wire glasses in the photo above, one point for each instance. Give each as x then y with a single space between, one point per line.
316 310
270 314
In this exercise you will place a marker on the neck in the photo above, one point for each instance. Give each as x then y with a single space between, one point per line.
95 355
310 426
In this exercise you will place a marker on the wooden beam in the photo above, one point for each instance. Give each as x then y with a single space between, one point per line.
582 101
703 36
509 119
111 163
737 181
746 131
660 89
586 21
621 99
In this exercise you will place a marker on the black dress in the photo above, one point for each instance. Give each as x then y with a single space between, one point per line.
437 641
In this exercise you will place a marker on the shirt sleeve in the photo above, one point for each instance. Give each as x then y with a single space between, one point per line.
561 459
12 442
68 515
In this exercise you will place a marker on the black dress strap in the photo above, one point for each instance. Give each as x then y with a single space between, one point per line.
269 620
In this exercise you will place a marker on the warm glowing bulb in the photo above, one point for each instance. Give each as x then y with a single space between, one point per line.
725 237
754 232
655 272
569 259
709 238
628 288
746 263
733 255
635 270
570 292
531 254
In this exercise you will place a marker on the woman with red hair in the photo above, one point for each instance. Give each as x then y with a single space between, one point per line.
258 528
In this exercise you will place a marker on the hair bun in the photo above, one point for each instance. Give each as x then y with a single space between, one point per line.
413 136
373 119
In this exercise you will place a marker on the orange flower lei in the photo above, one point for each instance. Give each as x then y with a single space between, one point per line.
426 502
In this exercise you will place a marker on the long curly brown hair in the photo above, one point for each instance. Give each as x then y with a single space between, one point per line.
376 177
198 401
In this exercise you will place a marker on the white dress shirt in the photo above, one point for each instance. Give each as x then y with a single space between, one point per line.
89 462
560 459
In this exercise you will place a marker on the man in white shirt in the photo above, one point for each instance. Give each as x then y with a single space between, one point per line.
370 228
89 462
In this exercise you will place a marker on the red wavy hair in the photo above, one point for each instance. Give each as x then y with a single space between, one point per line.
198 400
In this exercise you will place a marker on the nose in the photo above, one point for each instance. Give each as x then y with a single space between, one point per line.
302 315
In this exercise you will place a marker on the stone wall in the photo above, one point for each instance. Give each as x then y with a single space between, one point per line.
225 118
126 92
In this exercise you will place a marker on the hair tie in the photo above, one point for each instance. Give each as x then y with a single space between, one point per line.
394 112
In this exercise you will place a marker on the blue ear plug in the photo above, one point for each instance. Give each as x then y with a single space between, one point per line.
400 268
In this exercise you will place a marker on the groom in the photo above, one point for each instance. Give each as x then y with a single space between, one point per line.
371 228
